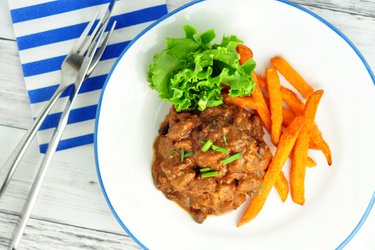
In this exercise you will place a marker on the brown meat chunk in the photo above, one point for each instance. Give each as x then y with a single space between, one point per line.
178 176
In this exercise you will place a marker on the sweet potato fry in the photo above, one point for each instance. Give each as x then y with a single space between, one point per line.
292 100
283 150
317 138
299 158
244 102
292 76
261 105
245 53
262 81
276 108
312 144
288 117
317 141
310 162
282 186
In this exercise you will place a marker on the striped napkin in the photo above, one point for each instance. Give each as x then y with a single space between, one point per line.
46 31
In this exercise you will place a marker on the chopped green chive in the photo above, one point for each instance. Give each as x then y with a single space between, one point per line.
187 154
220 149
209 174
260 186
232 158
172 152
184 155
207 145
225 139
204 170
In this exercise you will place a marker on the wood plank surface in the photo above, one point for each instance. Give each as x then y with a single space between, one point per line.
46 235
354 7
70 193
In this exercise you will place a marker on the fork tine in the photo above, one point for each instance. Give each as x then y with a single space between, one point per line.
109 10
102 24
84 34
86 43
103 45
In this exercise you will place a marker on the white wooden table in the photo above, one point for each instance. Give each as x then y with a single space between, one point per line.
71 212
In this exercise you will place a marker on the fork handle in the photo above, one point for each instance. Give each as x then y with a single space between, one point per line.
41 174
9 167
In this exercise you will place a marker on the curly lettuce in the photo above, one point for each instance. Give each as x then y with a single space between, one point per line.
191 71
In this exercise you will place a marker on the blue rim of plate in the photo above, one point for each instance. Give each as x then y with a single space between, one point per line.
333 28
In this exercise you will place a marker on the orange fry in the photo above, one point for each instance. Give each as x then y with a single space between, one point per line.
317 138
288 117
299 158
292 100
245 53
292 76
283 150
262 81
282 186
244 102
312 144
310 162
276 108
317 141
261 105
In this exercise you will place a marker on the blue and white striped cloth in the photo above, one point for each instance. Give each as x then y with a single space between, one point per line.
46 30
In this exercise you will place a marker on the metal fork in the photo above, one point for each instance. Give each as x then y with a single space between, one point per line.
69 69
78 65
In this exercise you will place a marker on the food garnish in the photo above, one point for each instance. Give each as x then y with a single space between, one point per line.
207 145
209 174
232 158
225 139
172 152
183 155
220 149
191 71
204 170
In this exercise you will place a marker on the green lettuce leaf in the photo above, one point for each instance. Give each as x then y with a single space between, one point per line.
191 71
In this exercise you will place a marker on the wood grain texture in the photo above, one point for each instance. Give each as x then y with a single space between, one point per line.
13 90
355 7
70 193
6 29
71 212
46 235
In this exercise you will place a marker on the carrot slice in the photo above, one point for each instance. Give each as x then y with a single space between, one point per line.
292 76
299 158
245 53
282 186
283 150
276 107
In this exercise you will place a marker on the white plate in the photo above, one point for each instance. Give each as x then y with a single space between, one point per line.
336 197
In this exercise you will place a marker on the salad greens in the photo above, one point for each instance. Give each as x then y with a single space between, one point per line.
191 71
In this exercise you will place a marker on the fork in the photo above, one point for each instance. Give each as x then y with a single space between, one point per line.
78 65
69 71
